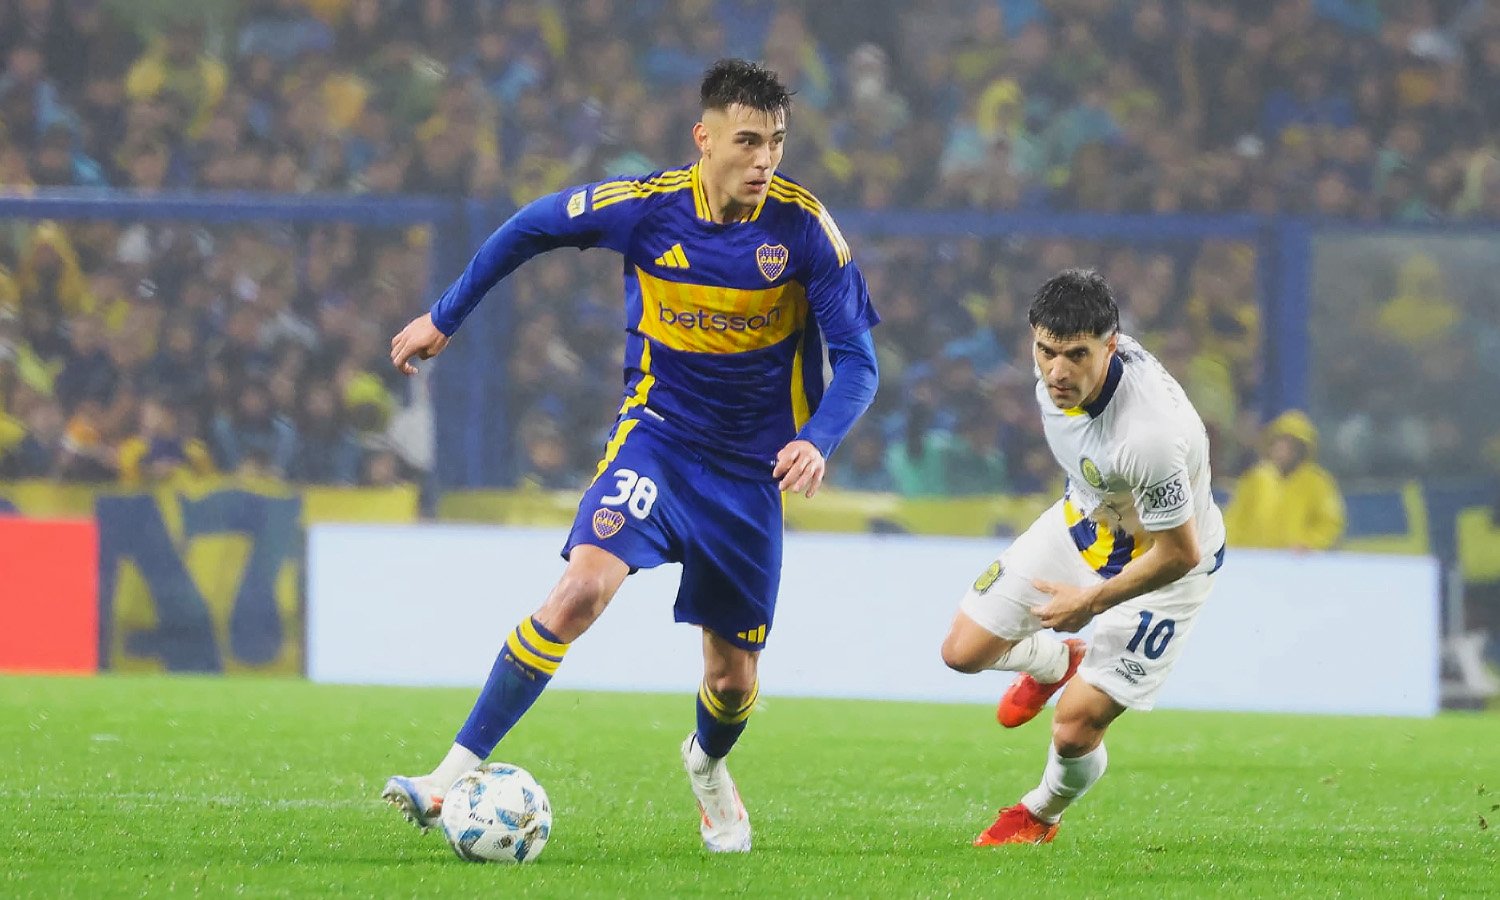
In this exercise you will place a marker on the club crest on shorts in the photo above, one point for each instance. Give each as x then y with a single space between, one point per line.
772 260
988 577
608 522
1091 473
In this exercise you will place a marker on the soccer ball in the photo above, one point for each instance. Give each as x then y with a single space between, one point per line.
497 813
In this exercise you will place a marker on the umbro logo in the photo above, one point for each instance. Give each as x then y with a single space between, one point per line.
1130 670
673 259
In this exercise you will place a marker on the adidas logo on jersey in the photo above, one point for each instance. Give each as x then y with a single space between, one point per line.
673 259
755 635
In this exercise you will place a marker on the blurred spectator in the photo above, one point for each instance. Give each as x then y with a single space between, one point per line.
88 372
327 451
30 102
382 467
545 457
162 450
176 67
39 452
1421 314
861 464
974 462
252 436
1287 500
918 460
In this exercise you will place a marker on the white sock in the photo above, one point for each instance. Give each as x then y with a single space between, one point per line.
1043 658
1063 781
701 763
459 760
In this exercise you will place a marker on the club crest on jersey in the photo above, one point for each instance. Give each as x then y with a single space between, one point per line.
987 578
608 522
772 260
1091 473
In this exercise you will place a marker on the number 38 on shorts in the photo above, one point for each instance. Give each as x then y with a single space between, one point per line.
634 491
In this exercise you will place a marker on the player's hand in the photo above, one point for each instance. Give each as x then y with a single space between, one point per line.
420 339
800 467
1069 608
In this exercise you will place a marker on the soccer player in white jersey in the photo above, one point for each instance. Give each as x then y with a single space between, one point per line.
1132 547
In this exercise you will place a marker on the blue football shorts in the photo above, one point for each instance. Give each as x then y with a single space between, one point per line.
657 500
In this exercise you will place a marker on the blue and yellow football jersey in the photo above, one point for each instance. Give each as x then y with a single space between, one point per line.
724 323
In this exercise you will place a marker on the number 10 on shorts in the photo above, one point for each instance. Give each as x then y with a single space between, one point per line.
634 491
1156 638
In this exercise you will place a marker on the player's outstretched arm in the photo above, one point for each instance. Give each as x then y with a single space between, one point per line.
564 219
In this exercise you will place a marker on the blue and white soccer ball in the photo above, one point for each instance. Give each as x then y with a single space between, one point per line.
497 813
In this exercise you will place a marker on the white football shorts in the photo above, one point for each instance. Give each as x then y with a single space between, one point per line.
1132 647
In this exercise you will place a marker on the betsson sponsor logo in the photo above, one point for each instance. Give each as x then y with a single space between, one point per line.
703 320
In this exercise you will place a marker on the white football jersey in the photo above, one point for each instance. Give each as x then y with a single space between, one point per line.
1137 462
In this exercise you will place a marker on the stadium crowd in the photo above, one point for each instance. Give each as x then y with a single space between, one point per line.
129 352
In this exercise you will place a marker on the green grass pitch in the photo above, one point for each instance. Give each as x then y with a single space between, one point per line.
121 786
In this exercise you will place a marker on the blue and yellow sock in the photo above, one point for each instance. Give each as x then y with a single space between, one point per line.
526 663
720 725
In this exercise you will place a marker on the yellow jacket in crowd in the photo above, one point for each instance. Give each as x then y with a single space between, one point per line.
1287 500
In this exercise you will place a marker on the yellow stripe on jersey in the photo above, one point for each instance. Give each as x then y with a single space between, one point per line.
612 449
642 387
786 192
800 412
669 177
1096 555
612 189
700 195
616 188
700 318
666 183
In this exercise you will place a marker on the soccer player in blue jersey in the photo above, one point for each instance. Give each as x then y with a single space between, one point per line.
735 280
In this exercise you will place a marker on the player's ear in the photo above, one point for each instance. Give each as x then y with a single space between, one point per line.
700 137
1113 342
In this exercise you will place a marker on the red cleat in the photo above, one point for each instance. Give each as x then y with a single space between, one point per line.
1026 696
1016 825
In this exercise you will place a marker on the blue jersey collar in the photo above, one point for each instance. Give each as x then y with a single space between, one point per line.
1111 383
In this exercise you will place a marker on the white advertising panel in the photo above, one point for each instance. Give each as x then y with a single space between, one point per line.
860 616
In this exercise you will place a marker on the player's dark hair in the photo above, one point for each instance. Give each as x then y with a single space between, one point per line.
1075 301
749 84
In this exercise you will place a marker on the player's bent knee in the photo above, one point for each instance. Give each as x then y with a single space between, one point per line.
731 674
1076 736
963 653
960 658
732 697
1073 739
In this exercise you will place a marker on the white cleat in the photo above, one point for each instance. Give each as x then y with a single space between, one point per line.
725 825
417 799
